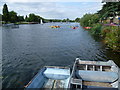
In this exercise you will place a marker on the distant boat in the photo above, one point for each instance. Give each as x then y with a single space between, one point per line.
50 77
41 22
94 74
55 26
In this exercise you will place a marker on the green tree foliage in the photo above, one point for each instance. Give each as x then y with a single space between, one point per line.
55 20
64 20
67 20
13 16
20 18
26 18
96 29
111 36
89 19
0 17
109 9
77 20
5 13
34 18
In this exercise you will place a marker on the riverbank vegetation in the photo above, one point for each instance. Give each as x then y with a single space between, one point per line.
110 33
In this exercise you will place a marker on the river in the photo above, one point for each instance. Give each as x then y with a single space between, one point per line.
30 47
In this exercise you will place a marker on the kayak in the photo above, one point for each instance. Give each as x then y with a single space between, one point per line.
87 27
55 26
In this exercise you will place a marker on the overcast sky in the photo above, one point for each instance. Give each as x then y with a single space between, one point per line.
51 9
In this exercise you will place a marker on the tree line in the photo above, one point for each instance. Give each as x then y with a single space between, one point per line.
10 16
109 10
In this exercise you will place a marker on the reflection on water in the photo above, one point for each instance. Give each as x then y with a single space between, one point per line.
30 47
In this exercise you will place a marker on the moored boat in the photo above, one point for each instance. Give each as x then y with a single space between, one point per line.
94 74
50 77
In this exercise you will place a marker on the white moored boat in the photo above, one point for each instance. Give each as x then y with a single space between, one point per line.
94 74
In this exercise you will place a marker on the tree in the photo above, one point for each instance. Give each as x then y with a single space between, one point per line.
0 17
64 20
109 9
89 19
20 18
26 18
13 17
32 18
67 20
77 19
5 13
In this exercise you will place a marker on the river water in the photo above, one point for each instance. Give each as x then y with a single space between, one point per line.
30 47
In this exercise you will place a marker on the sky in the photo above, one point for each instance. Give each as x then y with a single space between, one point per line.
53 9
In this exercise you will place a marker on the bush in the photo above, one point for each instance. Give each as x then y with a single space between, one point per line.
96 30
89 20
111 36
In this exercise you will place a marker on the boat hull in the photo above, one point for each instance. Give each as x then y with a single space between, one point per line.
50 77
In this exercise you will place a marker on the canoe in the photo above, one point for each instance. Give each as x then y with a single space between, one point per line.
87 27
94 74
50 77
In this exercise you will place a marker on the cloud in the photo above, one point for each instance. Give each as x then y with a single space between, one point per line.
59 10
12 1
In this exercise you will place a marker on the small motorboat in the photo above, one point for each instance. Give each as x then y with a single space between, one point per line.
50 77
94 74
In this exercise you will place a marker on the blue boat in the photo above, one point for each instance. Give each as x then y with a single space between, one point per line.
50 77
84 75
94 74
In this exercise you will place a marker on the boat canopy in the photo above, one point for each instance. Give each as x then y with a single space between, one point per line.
57 73
98 76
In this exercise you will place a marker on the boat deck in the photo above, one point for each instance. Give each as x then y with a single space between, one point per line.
50 84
